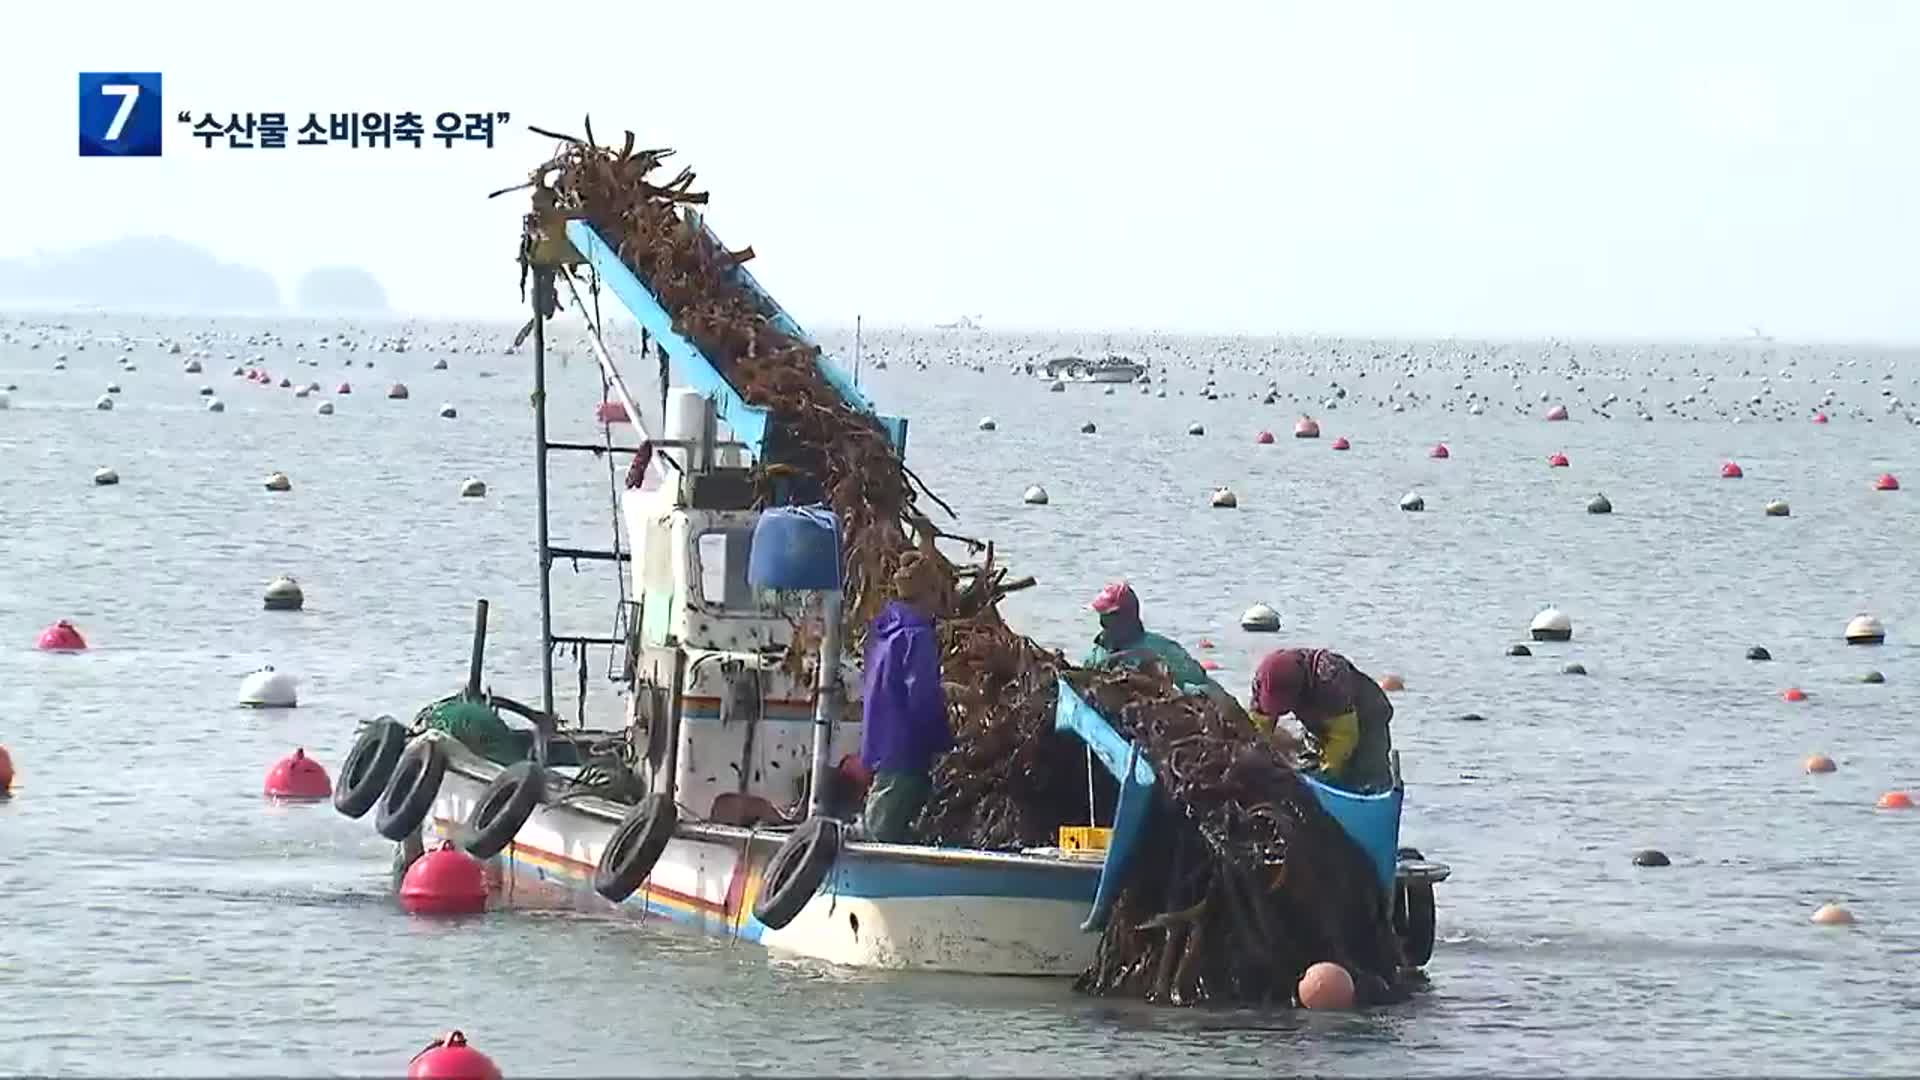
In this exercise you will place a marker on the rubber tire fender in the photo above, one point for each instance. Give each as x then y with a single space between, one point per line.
635 846
505 806
1414 916
369 765
410 793
797 871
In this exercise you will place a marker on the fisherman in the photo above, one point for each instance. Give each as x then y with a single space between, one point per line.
1124 641
903 705
1343 712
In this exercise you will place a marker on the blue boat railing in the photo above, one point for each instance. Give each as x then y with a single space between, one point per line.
1372 820
749 423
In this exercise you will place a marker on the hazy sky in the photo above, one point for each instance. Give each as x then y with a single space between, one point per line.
1643 169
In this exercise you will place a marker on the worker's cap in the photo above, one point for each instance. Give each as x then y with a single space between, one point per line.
1116 598
1277 682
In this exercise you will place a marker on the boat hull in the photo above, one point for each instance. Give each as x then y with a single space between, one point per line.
885 906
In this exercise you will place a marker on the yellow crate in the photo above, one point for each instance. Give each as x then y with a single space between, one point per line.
1084 838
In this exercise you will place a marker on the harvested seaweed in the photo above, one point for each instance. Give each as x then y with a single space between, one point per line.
1251 883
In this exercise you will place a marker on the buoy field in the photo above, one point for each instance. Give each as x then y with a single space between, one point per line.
150 882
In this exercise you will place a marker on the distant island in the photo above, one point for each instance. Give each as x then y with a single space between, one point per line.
158 273
340 289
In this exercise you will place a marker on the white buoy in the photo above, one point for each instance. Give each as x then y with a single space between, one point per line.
269 689
1778 508
439 365
193 367
1035 496
1059 386
283 594
105 476
214 404
473 488
105 404
1196 429
987 424
1412 502
1260 619
448 412
279 482
325 408
1864 629
1552 624
113 388
1224 499
302 392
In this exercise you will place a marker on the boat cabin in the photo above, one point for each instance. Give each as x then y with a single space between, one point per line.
709 650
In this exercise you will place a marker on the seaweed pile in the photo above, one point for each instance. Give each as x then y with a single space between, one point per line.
1254 881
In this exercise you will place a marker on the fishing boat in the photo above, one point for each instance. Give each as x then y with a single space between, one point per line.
712 800
1111 368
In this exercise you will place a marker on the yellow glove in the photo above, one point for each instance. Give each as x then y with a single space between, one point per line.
1261 722
1337 745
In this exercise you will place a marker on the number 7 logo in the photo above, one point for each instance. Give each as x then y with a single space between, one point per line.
120 114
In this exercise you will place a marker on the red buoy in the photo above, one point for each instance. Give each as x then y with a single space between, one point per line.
1557 461
6 772
1886 483
1341 443
1265 438
298 777
1306 428
611 412
1731 471
1794 693
450 1058
343 388
444 881
1819 418
1439 451
62 637
1558 412
1210 665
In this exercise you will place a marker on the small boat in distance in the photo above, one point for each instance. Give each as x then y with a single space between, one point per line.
1112 368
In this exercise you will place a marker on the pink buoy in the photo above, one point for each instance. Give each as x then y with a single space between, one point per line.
298 777
1341 443
1731 471
1326 986
62 637
1819 418
1558 412
611 412
343 388
1439 451
397 392
450 1058
1886 483
1306 428
1557 461
1265 438
444 881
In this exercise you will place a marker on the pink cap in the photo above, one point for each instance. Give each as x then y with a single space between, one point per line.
1116 597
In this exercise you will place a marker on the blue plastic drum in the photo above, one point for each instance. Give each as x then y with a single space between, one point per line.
795 547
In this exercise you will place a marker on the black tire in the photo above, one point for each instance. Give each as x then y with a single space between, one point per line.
635 846
505 806
369 765
797 871
410 793
1414 916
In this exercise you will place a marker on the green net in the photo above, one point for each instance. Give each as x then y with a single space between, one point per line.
476 724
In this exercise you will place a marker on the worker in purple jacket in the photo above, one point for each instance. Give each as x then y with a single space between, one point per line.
903 706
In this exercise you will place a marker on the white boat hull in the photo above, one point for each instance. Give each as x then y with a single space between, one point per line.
887 906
